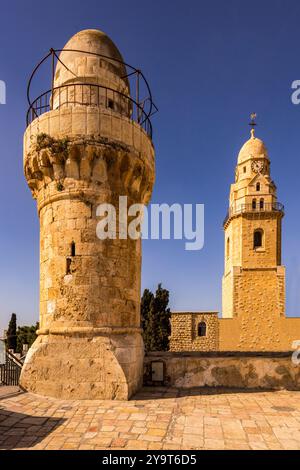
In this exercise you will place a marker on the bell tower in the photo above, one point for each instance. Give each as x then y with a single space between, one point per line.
253 288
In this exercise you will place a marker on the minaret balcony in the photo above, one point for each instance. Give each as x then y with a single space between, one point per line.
89 94
249 209
88 91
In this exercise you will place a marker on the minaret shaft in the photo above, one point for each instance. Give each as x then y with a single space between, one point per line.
86 151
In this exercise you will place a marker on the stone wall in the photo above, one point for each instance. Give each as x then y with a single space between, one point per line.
248 333
185 336
230 370
245 332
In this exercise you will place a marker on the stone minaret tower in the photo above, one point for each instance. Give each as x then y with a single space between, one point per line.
87 149
254 279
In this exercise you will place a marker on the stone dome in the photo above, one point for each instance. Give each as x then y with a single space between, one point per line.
253 148
87 67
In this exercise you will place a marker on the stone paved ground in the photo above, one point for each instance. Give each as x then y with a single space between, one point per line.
155 419
8 391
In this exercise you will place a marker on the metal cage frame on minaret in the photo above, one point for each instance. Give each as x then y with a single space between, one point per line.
141 108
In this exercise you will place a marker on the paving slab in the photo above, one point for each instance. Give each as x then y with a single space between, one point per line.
161 418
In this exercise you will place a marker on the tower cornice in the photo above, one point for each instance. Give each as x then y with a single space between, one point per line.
246 210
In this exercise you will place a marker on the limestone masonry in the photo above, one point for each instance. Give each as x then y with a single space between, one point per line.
254 278
85 151
237 369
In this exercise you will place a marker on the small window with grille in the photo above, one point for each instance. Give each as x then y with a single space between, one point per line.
202 329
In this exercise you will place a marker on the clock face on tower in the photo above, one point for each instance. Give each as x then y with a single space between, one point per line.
257 166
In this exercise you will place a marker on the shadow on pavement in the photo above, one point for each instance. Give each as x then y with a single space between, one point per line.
159 393
19 430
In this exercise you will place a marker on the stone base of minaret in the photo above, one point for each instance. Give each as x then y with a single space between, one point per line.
108 367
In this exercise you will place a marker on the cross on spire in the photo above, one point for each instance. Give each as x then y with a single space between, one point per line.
252 123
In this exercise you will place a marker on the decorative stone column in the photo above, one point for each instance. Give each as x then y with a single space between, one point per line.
76 156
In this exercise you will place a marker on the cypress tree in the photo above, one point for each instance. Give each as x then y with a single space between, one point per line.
162 316
156 319
145 313
12 333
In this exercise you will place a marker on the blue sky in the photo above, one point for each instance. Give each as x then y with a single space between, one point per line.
209 63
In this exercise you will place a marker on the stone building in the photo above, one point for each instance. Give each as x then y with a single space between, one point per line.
253 287
195 331
89 144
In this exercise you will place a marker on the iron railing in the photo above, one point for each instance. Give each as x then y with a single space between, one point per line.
89 94
139 109
249 208
11 370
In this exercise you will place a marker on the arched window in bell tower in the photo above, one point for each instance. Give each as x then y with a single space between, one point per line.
257 186
261 204
253 204
258 238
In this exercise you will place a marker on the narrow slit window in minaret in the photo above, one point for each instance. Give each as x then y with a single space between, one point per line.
68 266
73 249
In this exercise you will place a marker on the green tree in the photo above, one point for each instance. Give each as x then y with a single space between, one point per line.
162 319
147 297
26 335
12 333
156 319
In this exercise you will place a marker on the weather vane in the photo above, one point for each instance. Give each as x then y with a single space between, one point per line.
253 117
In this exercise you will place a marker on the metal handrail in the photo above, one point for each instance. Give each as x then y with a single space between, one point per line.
139 114
248 208
10 371
14 358
44 102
